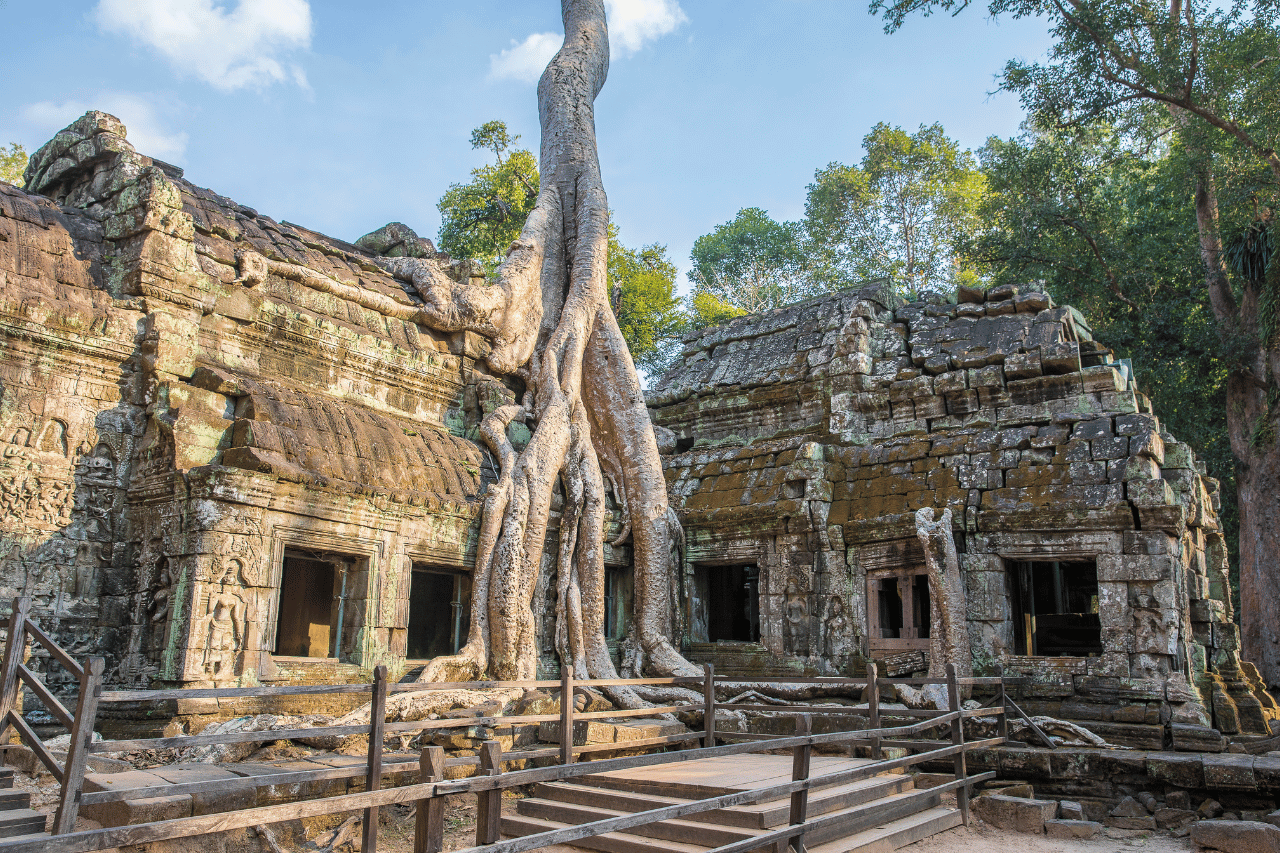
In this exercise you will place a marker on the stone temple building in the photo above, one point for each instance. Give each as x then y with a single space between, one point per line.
233 454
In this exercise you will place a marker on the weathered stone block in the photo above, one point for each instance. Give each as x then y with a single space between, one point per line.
1015 813
1229 772
1236 836
1176 769
1134 567
1072 828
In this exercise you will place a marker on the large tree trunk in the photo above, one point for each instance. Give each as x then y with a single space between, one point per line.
549 318
1251 429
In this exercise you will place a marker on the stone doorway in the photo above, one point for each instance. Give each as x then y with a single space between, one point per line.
311 605
1057 607
439 612
725 605
898 610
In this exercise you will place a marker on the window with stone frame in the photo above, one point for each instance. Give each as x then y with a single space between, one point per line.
898 609
439 611
1055 605
313 592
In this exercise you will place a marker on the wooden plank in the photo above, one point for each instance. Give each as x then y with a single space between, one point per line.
185 741
662 740
489 803
1000 702
36 745
241 783
984 712
373 778
38 634
873 709
631 712
957 739
14 653
78 748
800 757
708 705
624 682
566 713
1044 738
46 698
428 833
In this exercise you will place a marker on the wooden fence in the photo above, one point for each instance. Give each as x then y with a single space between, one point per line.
490 781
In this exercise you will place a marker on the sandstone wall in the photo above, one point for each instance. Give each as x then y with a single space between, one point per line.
808 436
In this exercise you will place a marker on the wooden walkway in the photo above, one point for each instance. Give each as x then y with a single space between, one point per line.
879 813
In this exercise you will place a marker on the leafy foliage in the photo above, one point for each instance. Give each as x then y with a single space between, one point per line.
642 294
13 163
898 214
751 262
480 219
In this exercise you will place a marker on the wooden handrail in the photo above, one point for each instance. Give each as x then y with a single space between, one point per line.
46 698
37 633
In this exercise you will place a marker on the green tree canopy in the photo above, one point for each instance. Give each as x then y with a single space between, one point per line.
481 218
13 162
642 294
899 213
751 262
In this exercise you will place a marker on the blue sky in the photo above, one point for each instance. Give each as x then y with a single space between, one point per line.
343 116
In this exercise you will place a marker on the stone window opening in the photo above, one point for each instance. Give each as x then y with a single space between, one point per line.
725 605
439 612
618 591
1056 603
900 610
313 600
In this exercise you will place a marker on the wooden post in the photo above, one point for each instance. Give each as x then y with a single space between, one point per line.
428 834
373 778
1002 722
709 705
566 713
78 749
873 708
14 652
489 803
800 756
957 739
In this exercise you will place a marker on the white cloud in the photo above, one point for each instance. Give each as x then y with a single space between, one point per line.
227 48
632 23
525 60
146 131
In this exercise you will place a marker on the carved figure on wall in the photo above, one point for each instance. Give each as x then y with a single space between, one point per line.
796 620
836 642
225 614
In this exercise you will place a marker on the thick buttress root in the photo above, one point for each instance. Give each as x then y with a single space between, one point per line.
549 317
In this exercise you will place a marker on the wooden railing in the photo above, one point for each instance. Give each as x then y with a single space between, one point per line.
487 785
14 674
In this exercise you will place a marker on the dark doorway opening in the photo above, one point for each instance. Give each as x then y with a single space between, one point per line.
618 589
899 615
1057 606
439 612
310 607
727 603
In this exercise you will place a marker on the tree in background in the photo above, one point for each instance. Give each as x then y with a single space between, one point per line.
751 263
1108 227
13 163
642 295
899 213
1209 73
482 218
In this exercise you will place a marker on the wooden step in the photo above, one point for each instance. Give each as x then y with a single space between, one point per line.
752 816
21 822
894 834
837 824
609 842
675 786
687 831
10 799
6 777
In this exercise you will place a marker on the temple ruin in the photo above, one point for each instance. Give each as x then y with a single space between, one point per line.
233 455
